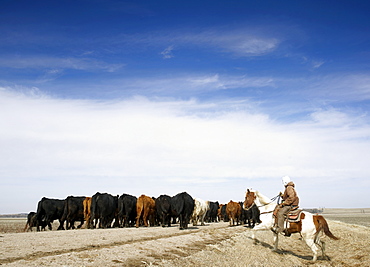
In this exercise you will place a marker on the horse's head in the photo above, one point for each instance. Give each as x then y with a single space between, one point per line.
250 196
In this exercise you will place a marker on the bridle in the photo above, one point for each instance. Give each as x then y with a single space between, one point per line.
278 197
251 206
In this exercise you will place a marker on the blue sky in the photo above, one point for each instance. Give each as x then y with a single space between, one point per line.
208 97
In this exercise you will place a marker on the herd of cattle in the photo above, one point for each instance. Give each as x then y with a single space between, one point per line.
104 210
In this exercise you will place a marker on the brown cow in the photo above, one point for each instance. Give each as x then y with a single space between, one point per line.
233 211
145 209
87 214
219 212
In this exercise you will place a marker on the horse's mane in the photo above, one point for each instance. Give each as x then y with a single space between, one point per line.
263 199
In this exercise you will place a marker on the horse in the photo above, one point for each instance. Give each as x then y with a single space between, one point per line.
311 227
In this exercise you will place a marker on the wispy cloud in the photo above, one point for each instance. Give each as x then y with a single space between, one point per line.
241 42
201 82
340 87
167 53
313 63
49 62
317 64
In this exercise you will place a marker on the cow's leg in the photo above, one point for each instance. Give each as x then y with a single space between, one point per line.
48 223
139 216
126 220
195 220
89 222
168 220
165 219
72 225
145 219
61 225
186 221
181 218
202 219
80 225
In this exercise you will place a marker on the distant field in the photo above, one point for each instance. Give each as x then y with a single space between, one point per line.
16 225
346 211
352 216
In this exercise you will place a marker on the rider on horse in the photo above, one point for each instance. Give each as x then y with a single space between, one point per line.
290 202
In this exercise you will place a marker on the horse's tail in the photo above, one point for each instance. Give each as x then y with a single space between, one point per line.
322 225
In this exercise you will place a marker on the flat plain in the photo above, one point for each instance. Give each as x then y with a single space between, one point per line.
216 244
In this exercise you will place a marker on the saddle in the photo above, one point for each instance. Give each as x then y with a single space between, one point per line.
294 215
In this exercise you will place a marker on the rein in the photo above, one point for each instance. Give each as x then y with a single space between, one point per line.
267 212
272 200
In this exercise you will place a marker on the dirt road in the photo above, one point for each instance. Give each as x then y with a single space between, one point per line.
215 244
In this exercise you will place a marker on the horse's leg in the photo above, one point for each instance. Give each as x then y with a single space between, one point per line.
321 244
253 236
323 250
276 242
311 243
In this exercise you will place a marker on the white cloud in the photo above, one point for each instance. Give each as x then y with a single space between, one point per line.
332 117
63 147
167 53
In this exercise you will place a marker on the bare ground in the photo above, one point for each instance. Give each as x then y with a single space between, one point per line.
215 244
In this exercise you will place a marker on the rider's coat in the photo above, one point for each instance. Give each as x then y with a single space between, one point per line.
290 196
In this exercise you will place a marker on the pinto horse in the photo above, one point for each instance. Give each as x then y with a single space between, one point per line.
310 226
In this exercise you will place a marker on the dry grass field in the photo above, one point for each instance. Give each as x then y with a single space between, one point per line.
352 216
215 244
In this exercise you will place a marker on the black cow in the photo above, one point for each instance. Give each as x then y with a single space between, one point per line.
103 208
163 207
182 205
243 215
252 216
211 215
32 222
49 210
73 211
224 214
127 210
